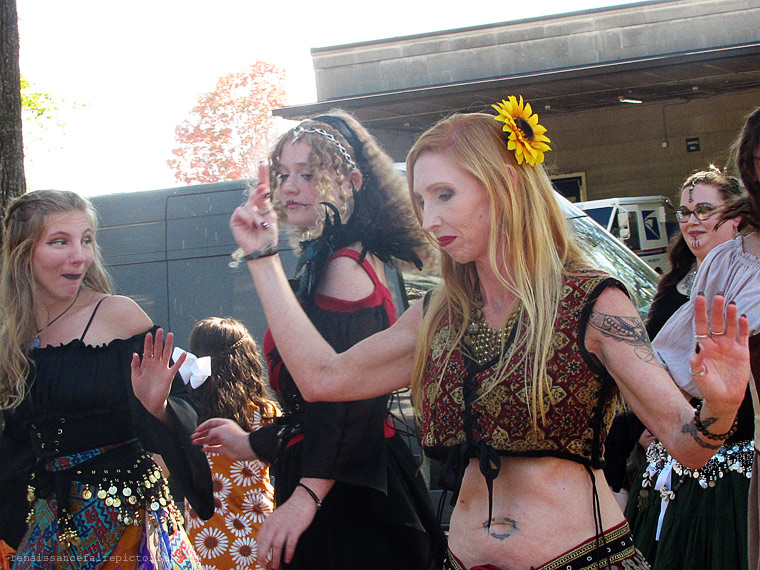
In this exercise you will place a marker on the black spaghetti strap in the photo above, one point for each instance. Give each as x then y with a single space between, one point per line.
92 316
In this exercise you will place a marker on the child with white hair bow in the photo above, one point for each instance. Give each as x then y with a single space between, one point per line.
223 376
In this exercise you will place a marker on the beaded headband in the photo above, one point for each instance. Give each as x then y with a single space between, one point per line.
237 343
298 131
340 125
526 136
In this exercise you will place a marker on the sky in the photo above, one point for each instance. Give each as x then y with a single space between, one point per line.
125 74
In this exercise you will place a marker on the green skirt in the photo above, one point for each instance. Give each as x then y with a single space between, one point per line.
702 528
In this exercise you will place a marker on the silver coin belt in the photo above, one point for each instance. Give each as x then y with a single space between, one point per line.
736 457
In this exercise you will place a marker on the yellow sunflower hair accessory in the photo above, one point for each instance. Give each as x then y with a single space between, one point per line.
526 136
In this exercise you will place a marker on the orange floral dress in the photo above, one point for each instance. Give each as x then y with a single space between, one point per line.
243 498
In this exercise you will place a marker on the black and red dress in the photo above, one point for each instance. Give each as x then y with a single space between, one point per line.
378 514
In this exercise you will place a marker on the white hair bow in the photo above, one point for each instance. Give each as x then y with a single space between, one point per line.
194 370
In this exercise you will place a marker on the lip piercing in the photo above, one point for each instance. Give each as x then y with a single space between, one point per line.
701 372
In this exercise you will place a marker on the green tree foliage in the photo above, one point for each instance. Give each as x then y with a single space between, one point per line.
230 129
36 106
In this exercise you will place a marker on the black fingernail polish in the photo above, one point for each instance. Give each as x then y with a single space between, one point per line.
720 293
697 349
701 293
731 303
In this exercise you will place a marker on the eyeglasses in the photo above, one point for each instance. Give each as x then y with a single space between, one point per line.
702 211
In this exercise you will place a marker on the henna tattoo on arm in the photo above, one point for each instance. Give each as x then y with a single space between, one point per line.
506 527
629 330
692 430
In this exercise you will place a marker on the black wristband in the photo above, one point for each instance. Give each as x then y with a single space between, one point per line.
257 253
313 495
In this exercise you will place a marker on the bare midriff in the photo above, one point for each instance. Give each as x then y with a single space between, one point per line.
542 508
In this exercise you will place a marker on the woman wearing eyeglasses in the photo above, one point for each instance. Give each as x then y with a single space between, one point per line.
703 194
680 517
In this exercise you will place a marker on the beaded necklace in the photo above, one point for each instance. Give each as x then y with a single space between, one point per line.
481 342
688 281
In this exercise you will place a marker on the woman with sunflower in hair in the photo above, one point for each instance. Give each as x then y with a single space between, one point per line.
517 361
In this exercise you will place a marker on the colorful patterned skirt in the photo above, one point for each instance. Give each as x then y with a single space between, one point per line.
121 522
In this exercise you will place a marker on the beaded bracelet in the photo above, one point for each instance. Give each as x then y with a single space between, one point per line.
714 436
313 495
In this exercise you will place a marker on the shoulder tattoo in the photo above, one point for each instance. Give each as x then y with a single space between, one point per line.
500 527
629 330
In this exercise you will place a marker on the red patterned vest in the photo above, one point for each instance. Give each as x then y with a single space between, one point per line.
465 415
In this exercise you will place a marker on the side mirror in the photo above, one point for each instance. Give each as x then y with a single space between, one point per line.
624 227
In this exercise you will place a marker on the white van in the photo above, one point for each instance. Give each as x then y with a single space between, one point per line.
639 222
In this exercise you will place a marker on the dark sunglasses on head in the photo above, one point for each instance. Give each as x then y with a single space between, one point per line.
702 211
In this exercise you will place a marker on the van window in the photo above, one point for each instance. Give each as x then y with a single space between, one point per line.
602 217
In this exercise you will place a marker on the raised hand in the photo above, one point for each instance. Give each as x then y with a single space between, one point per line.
221 435
152 376
254 224
720 363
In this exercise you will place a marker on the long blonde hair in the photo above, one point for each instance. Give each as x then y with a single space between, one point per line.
23 227
527 233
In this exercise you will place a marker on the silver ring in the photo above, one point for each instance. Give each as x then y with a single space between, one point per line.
721 333
265 212
701 335
701 372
